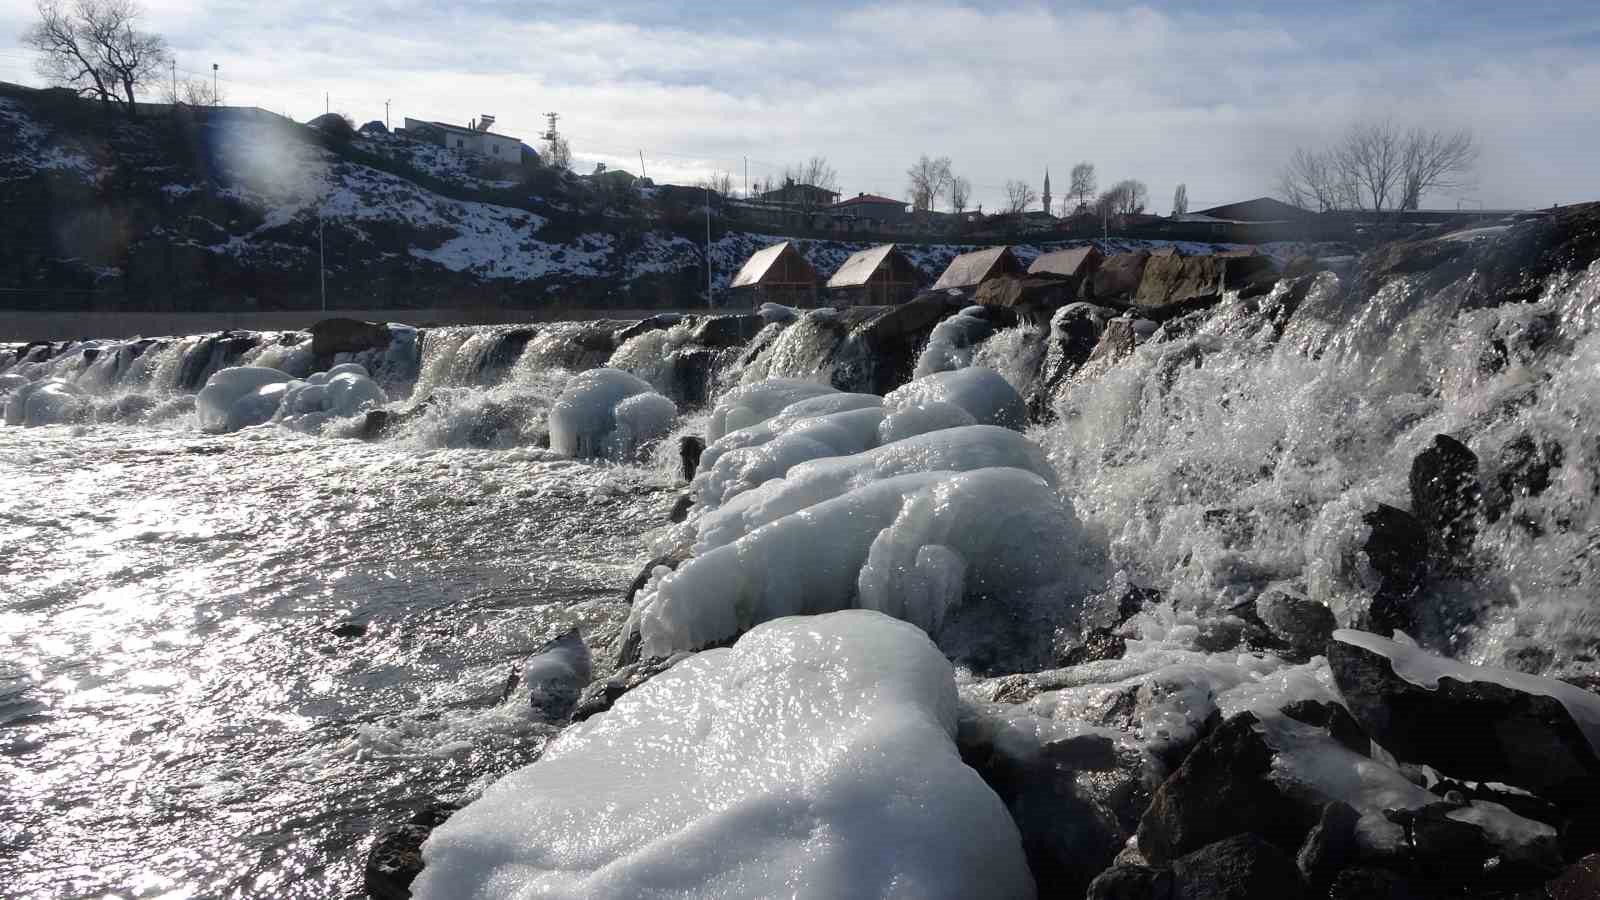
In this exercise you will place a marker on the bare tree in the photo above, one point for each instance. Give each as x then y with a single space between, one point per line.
1019 196
1125 198
1314 180
558 153
928 179
814 179
193 92
94 49
1180 200
1433 160
1370 159
719 183
1084 183
960 194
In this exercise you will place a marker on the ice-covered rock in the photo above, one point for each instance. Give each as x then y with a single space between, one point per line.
917 546
339 393
234 398
751 456
981 393
953 342
10 382
48 402
921 418
607 412
815 757
556 674
752 404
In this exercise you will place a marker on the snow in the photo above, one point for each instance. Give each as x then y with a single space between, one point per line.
608 413
913 545
239 397
814 758
1424 669
981 393
35 148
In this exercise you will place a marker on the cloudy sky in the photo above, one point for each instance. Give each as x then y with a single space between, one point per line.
1214 94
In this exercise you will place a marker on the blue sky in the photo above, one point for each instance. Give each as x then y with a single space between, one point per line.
1213 94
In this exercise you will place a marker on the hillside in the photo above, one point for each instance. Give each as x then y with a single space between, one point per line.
219 209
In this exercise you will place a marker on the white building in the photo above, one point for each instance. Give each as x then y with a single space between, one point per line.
475 138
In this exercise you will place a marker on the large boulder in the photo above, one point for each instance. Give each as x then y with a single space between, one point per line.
1075 331
1303 624
331 336
1243 867
721 332
1033 299
1472 722
1397 549
1174 283
395 859
1118 277
1445 496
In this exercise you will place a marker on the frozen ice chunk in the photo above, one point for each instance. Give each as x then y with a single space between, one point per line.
215 407
753 404
557 674
819 480
921 418
912 545
814 758
761 432
953 341
339 393
10 383
752 456
777 312
48 402
982 393
589 418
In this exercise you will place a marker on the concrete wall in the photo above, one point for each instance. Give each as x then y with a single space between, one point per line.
44 326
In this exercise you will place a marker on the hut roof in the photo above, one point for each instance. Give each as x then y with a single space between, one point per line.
1068 263
860 266
969 269
755 268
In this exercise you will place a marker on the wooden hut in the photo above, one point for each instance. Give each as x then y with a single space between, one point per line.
880 276
972 269
777 274
1072 265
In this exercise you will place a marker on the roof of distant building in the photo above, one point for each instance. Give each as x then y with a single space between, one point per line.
970 268
1261 209
755 269
861 265
873 199
465 130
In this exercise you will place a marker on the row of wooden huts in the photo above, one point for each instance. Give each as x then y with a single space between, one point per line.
883 275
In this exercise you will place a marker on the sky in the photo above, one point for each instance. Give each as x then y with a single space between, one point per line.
1215 95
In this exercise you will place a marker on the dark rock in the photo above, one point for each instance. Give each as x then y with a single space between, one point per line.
331 336
1445 497
694 373
599 696
722 332
557 674
1336 720
1243 867
645 326
1097 644
690 448
1523 470
1032 299
395 860
1118 277
1251 274
1478 730
349 630
1372 883
1222 789
1075 329
1330 845
1174 283
680 508
887 343
1397 547
1116 342
1302 623
1128 882
1581 881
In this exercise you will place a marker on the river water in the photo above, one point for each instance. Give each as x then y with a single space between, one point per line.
226 660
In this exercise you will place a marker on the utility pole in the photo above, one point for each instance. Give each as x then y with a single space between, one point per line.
327 102
213 84
385 114
711 301
642 175
747 178
322 267
174 80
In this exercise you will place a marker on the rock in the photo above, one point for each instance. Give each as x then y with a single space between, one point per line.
690 448
1243 867
349 630
331 336
1522 470
1371 883
680 508
886 344
722 332
1097 644
556 674
1480 729
1116 342
1445 497
1251 274
694 373
658 322
1329 846
1302 623
600 695
1075 330
395 859
1126 882
1222 789
1033 299
1171 284
1336 720
1397 548
1118 278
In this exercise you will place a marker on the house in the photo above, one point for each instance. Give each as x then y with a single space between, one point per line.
871 206
805 196
476 138
777 274
1261 209
972 269
1073 264
879 276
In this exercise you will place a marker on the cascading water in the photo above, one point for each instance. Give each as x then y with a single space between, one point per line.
278 642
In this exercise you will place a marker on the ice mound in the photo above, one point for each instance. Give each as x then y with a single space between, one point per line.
48 402
557 674
815 757
339 393
809 483
910 421
777 312
953 341
981 393
10 383
753 404
915 545
751 456
238 397
608 413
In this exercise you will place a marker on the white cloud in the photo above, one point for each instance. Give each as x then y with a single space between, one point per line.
1215 99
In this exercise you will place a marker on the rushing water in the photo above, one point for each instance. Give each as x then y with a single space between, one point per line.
225 660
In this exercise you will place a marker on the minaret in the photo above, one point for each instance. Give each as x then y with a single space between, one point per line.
1046 197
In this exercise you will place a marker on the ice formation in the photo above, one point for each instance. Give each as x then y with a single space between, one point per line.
913 545
953 342
557 674
238 397
341 392
814 758
751 456
48 402
753 404
608 413
981 393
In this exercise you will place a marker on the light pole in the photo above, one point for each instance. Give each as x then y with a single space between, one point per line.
213 84
711 297
322 268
